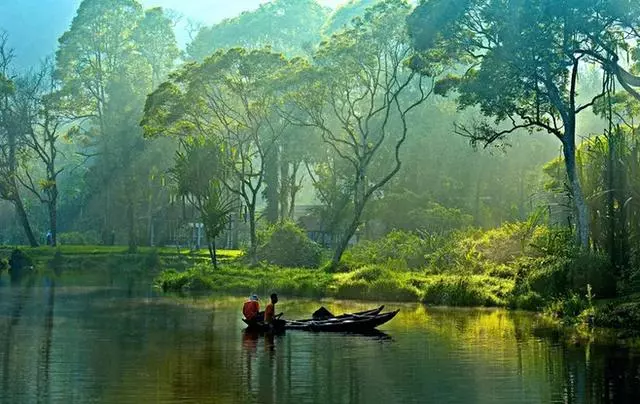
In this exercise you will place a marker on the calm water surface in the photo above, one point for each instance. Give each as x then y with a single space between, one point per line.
79 341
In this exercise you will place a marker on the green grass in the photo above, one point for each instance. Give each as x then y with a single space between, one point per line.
102 250
101 258
369 283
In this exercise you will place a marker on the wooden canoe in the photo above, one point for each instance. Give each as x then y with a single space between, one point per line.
355 322
347 324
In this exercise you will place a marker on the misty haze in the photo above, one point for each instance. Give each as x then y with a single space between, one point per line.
319 201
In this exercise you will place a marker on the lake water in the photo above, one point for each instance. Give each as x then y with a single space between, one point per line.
76 341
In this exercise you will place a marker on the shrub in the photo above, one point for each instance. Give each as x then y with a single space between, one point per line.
619 315
4 264
466 291
287 245
592 269
398 249
172 280
556 276
528 301
567 308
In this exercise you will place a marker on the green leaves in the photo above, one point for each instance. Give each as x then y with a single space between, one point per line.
288 26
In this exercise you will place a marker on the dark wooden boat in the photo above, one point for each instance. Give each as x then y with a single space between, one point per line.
351 322
260 326
347 324
371 312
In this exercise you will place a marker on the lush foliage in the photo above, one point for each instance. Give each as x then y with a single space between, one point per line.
352 123
287 245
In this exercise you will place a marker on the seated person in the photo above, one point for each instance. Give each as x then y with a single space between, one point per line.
251 309
269 312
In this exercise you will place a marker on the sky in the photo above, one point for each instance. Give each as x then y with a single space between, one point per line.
34 26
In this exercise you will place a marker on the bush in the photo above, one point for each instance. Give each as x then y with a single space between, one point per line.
4 264
466 291
287 245
528 301
398 249
553 277
619 315
192 280
374 282
567 308
592 269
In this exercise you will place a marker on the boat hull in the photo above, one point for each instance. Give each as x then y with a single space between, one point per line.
349 324
363 321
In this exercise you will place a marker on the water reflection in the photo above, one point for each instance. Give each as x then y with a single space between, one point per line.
60 342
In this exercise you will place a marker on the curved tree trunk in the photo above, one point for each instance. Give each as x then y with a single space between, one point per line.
24 220
253 247
343 242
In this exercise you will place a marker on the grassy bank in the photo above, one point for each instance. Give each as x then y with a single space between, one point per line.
367 283
94 258
519 265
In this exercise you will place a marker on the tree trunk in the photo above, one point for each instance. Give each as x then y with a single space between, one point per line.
582 213
343 242
212 253
133 246
293 190
611 197
24 220
53 217
150 214
285 186
271 189
253 246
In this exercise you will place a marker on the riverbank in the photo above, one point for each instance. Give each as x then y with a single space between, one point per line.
368 283
185 271
70 257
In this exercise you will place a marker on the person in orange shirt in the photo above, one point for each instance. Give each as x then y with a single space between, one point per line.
251 308
270 310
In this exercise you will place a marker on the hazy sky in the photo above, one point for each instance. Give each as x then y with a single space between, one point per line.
212 10
34 26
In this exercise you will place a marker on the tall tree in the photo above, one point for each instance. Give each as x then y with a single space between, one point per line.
359 95
44 121
96 49
112 56
231 99
95 58
12 135
156 41
522 62
292 27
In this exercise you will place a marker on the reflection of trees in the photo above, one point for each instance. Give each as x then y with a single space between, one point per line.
44 360
58 343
